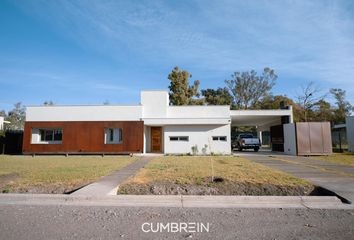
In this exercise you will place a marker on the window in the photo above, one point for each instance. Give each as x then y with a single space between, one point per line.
179 138
219 138
53 136
245 136
113 136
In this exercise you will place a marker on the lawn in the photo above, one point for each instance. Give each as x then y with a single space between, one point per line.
55 174
340 158
220 175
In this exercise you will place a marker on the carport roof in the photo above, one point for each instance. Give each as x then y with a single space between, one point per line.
259 117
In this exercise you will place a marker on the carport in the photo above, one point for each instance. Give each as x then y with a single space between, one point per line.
263 120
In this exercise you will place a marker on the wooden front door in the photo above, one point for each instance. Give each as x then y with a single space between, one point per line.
156 145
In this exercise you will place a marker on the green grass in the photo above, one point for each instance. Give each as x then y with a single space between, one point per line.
339 158
194 170
46 171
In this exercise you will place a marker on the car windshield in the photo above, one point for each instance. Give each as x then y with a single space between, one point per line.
246 136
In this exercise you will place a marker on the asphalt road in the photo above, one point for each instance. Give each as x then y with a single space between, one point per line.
80 222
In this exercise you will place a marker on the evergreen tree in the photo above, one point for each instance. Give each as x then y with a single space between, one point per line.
181 93
220 96
344 108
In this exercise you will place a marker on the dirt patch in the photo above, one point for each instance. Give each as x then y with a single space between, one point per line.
220 188
8 179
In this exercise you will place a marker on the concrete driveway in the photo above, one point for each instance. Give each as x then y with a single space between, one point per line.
334 177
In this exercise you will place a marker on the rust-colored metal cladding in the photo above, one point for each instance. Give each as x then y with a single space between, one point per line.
313 138
316 137
327 137
86 137
302 138
156 134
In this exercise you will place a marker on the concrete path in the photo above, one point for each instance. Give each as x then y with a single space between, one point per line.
108 185
334 177
179 201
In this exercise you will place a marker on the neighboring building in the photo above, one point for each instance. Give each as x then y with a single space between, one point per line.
339 137
350 133
1 123
152 126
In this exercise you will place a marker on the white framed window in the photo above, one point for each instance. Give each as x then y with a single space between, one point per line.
113 136
179 138
219 138
47 135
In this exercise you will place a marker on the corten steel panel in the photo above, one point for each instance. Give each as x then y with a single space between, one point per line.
327 137
303 138
87 137
313 138
316 138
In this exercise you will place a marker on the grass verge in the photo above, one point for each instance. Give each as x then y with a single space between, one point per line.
215 175
339 158
55 174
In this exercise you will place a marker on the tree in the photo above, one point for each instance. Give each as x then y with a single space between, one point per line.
323 111
275 102
16 117
247 88
2 113
180 91
308 98
220 96
48 103
344 108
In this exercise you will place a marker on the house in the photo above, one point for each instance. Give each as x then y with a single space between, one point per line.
339 137
350 132
1 123
152 126
343 135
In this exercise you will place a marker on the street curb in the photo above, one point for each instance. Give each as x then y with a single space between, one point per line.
180 201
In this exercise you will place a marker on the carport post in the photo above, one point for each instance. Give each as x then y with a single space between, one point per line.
259 135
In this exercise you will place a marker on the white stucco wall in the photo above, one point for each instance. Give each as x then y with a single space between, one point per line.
350 133
155 104
157 112
289 139
84 113
198 112
198 135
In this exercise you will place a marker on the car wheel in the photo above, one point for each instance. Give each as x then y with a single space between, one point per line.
256 149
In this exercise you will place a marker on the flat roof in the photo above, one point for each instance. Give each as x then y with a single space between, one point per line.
87 105
258 117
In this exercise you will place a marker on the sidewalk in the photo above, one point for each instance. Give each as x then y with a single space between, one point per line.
330 176
178 201
108 185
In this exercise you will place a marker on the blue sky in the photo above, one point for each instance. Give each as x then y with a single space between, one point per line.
88 52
